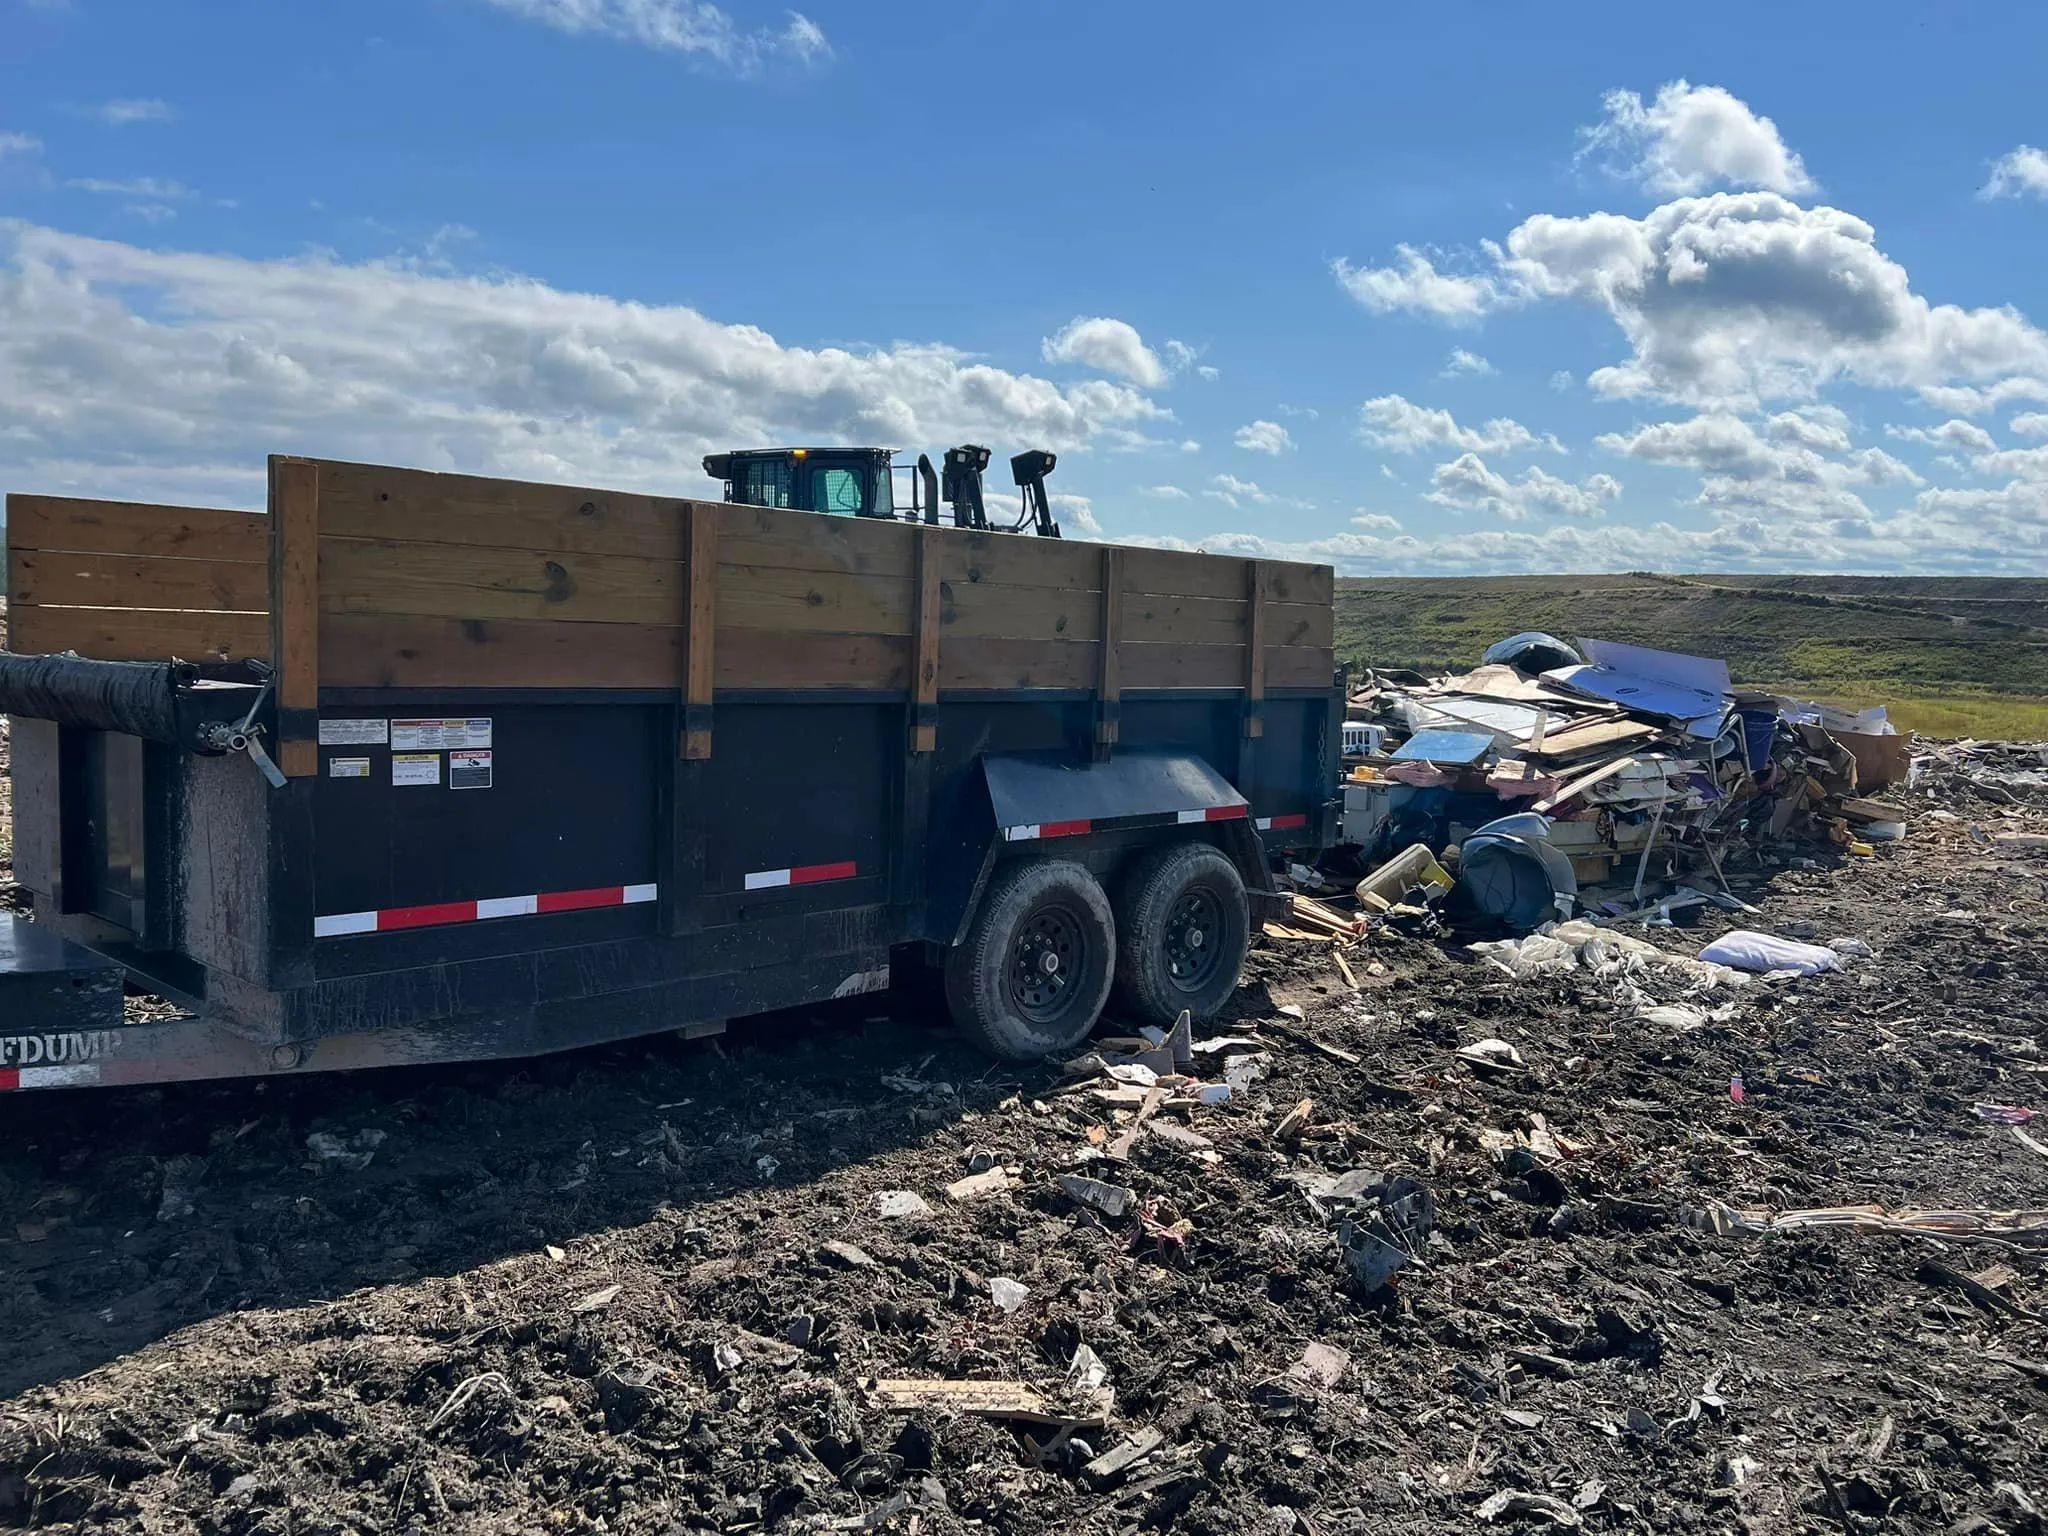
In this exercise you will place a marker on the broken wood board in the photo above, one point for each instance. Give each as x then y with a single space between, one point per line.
1588 736
1011 1400
1580 785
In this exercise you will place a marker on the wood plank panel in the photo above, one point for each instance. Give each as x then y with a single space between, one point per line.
1179 574
1016 560
416 651
383 651
488 582
1176 573
66 579
1299 666
807 541
1184 620
763 597
1286 581
1002 612
985 663
367 501
1148 664
1221 621
295 610
136 528
753 658
138 634
1307 624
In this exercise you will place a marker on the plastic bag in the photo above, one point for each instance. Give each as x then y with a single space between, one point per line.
1747 950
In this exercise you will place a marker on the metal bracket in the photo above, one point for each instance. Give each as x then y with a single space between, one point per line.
245 737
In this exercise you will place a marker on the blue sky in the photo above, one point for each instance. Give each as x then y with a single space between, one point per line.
1471 288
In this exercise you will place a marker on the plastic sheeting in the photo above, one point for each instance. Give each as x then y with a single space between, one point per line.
136 698
1747 950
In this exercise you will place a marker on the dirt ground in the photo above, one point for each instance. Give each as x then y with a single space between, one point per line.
646 1289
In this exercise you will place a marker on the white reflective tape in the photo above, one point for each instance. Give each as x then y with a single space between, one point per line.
1264 823
508 906
767 878
344 922
638 893
1020 834
1188 816
59 1077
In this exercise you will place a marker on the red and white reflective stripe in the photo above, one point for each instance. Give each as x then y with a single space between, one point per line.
1279 823
50 1077
1039 830
803 874
1042 829
437 914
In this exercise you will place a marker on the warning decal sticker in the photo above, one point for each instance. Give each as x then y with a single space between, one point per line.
352 733
469 769
439 735
348 767
415 767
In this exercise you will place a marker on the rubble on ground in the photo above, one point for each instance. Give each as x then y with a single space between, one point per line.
1610 780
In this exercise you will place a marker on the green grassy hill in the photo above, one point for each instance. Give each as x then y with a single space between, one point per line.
1953 655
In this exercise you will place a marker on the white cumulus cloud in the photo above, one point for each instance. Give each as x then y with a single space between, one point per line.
18 144
1264 437
1467 482
677 26
1955 433
1690 138
2029 424
1790 466
166 373
1727 298
2021 172
124 111
1462 362
1397 423
1414 283
1230 490
1967 400
156 187
1164 493
1114 346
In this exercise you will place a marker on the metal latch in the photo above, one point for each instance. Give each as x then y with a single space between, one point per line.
247 736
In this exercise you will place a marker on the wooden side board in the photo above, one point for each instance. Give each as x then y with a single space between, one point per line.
134 581
413 578
451 580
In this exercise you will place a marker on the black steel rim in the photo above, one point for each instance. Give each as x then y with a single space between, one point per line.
1194 940
1047 963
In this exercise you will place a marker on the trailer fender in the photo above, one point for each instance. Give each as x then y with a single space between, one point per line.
1020 801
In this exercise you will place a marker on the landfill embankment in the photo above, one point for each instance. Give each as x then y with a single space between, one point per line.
653 1288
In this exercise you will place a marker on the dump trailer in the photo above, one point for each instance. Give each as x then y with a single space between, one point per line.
421 767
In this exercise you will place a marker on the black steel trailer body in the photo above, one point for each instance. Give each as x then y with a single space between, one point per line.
556 766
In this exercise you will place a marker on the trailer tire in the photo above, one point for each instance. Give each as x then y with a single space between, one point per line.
1183 925
1034 971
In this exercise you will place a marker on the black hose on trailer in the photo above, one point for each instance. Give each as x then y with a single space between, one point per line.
136 698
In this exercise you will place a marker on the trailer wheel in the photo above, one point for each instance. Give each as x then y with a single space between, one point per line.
1034 972
1182 929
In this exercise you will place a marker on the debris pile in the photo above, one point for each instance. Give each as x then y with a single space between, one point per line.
1608 779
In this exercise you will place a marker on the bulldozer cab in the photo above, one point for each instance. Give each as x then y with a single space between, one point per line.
852 482
859 482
